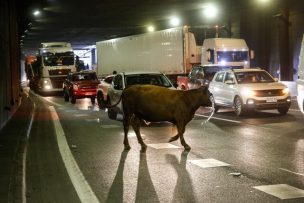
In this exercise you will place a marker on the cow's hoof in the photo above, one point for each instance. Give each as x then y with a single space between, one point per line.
187 148
127 147
143 149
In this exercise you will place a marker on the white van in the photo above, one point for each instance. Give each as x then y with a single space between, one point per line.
300 82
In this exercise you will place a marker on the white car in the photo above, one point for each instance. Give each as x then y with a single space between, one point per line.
109 94
247 90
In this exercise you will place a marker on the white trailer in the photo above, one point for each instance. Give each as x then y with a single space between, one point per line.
170 51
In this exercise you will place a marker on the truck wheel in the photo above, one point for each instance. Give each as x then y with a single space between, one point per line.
238 106
100 100
112 114
215 107
283 110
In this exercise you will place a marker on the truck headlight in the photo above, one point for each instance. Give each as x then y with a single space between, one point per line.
46 84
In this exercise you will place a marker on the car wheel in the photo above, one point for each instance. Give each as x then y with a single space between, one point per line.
66 96
215 107
93 100
73 99
100 100
238 106
112 114
283 110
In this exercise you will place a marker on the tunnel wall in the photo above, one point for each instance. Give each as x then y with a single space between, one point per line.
10 87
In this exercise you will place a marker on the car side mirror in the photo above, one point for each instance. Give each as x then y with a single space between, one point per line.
118 87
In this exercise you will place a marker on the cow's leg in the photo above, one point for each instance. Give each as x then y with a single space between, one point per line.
126 124
135 122
181 130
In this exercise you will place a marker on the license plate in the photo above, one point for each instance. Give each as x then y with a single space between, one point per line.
271 99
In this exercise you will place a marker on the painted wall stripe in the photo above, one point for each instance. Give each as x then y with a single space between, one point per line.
81 186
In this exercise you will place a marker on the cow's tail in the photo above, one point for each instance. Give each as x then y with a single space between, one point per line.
213 110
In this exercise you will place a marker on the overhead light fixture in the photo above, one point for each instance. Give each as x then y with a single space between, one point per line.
151 29
36 12
174 21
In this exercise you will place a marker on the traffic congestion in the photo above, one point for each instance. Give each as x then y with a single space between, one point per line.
152 101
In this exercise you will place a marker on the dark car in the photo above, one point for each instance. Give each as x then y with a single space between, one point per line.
79 85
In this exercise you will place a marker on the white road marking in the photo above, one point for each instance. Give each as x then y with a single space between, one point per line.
48 100
294 110
282 191
163 146
208 163
110 126
25 155
82 187
216 118
81 114
283 169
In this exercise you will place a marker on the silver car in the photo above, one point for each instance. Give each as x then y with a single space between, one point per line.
248 89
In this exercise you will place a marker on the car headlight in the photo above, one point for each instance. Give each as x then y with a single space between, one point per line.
248 92
285 90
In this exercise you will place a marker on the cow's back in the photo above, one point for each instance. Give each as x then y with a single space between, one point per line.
152 101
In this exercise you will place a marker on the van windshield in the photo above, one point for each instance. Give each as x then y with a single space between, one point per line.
232 56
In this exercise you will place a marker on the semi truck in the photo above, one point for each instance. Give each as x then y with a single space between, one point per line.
172 51
51 67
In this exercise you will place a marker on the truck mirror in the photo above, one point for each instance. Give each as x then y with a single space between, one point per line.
208 55
251 54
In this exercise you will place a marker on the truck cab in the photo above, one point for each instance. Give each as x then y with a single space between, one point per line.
226 51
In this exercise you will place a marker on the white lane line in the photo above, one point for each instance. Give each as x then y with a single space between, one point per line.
216 118
294 110
82 187
282 191
25 155
54 103
208 163
283 169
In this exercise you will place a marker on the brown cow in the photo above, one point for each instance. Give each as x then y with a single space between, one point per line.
154 104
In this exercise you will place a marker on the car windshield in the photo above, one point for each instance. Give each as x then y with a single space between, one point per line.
84 76
143 79
253 77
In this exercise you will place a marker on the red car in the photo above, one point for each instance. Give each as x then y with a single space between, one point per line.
79 85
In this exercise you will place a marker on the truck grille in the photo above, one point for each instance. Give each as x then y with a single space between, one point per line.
57 81
59 72
269 93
